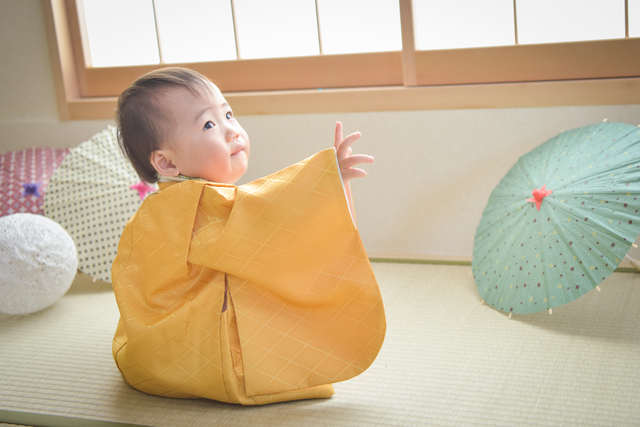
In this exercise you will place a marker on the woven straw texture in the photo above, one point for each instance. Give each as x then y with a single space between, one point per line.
447 360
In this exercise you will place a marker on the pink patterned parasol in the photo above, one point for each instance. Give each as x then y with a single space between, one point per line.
24 177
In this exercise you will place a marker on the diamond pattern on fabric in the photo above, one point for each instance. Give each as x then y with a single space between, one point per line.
304 308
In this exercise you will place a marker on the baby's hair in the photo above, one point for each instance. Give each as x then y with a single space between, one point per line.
143 123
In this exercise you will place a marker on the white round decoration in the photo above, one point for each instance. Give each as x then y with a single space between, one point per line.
39 263
91 196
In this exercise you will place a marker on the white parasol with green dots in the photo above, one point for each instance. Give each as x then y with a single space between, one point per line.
92 195
561 220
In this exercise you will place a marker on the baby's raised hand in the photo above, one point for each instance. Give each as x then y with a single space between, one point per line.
346 160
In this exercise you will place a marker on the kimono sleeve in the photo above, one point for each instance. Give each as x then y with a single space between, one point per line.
307 304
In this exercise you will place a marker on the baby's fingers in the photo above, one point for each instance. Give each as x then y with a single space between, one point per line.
349 174
357 159
338 136
345 144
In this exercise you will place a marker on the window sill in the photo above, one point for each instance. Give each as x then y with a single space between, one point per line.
399 98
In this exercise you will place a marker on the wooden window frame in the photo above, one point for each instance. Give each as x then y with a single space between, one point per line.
605 72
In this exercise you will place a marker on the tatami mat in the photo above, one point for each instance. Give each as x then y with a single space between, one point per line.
447 360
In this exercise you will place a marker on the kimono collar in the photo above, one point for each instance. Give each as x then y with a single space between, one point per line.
166 181
179 178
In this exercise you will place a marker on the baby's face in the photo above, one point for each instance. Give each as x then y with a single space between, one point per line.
207 142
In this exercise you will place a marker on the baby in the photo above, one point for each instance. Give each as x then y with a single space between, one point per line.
247 294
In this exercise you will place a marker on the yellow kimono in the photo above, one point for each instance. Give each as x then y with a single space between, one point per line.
252 294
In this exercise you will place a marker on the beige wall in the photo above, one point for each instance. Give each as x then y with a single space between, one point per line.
425 193
28 112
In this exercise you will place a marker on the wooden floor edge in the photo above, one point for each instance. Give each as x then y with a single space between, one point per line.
624 267
46 420
419 261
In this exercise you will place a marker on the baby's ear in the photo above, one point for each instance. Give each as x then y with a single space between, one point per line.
162 163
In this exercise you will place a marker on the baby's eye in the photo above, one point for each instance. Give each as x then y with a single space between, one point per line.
209 125
229 115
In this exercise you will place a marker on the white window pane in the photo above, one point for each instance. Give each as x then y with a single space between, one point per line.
634 18
195 30
351 26
451 24
121 32
552 21
271 29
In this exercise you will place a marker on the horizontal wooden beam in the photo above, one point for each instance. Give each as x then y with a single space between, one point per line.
400 98
522 63
325 71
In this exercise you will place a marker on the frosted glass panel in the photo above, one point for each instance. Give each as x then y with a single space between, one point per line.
450 24
551 21
351 26
634 18
195 30
271 29
121 32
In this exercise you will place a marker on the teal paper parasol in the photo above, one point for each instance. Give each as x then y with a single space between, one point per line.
561 220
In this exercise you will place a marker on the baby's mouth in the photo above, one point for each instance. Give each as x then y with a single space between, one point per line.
238 149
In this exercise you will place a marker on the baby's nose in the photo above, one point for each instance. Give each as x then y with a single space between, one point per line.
232 133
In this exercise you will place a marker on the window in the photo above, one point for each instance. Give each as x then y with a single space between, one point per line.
458 24
137 32
432 54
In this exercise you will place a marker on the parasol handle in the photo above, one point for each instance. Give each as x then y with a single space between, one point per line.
634 262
